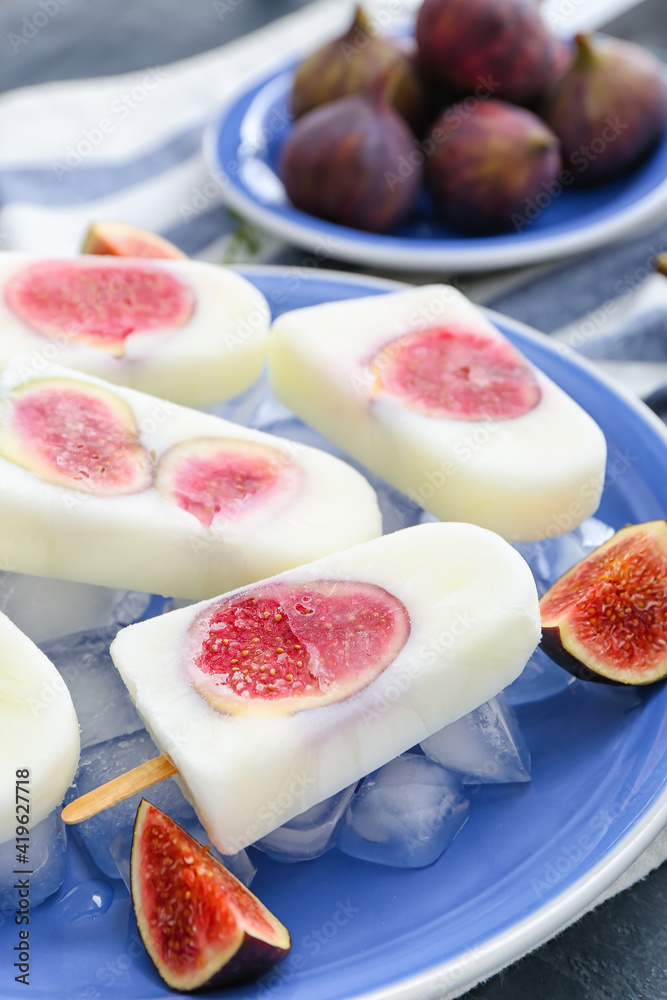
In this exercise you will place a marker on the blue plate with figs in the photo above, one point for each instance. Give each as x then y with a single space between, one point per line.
243 147
531 857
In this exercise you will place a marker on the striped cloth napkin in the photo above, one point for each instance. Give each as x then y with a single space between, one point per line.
128 148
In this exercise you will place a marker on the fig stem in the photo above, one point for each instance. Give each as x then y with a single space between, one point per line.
586 55
118 789
661 264
360 22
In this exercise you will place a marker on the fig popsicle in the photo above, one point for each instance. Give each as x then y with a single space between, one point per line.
191 332
102 484
39 752
427 393
272 698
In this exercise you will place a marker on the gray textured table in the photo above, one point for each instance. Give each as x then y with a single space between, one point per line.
618 952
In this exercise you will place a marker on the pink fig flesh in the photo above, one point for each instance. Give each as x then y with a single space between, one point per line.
116 239
201 927
457 374
75 435
279 648
606 618
208 477
97 304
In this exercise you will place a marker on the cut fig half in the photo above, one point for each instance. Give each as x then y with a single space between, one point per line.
606 618
280 648
219 479
457 374
97 303
200 926
74 434
116 239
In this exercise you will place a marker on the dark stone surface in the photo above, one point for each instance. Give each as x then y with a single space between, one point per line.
619 952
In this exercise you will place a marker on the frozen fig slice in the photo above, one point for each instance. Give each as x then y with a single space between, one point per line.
606 618
201 927
208 477
96 304
281 648
117 239
489 439
75 434
455 373
377 688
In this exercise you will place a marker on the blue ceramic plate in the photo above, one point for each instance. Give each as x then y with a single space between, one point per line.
242 149
531 856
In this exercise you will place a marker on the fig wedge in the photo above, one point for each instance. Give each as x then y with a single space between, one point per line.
606 618
116 239
201 927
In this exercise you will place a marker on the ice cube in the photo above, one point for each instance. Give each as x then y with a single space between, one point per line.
485 746
540 678
245 408
45 609
310 834
44 870
104 761
103 706
551 557
405 814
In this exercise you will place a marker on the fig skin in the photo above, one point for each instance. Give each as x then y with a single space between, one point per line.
116 239
208 908
608 109
486 164
349 162
501 44
352 64
605 620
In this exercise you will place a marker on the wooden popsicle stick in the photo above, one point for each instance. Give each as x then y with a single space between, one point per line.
107 795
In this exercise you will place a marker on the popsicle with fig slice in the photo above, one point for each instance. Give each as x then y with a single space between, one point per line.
105 485
425 391
269 699
192 332
39 752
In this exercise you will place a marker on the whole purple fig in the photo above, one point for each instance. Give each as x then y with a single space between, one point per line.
501 45
609 108
486 166
353 161
351 65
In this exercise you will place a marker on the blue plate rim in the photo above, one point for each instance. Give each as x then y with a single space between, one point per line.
402 253
543 923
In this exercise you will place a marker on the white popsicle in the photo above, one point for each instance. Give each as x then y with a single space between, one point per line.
39 733
427 393
372 649
197 331
105 485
